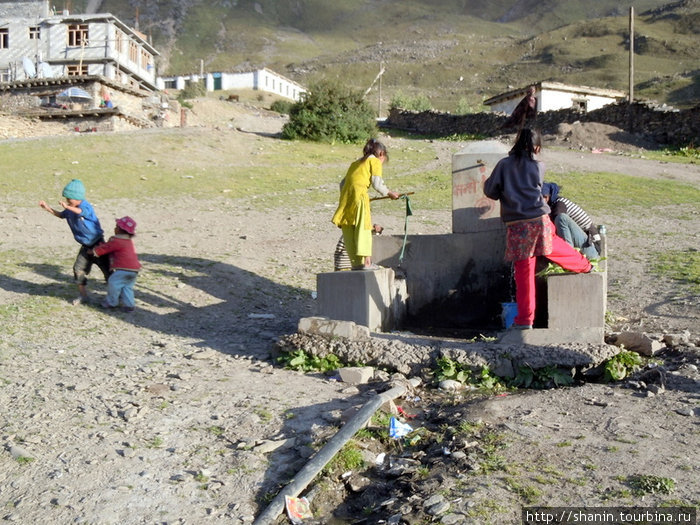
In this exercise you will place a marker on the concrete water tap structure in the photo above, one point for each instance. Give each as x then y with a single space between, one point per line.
459 279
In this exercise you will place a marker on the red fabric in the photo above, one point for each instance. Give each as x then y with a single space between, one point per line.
529 238
564 255
122 254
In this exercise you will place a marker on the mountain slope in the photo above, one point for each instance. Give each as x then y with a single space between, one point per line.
446 49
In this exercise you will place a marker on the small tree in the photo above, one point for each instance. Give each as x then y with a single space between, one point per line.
331 112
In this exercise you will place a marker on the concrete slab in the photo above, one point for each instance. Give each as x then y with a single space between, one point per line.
576 300
472 211
333 328
370 298
549 336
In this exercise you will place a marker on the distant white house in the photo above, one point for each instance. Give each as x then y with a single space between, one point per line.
261 79
553 95
36 42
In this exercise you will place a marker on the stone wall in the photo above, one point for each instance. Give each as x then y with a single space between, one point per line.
659 124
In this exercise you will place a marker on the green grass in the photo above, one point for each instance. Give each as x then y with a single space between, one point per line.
680 266
606 192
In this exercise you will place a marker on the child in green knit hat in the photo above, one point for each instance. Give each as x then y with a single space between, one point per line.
87 231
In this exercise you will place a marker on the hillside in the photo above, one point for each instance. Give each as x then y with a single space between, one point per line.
449 50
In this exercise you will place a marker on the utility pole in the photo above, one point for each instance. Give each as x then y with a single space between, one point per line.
379 101
631 81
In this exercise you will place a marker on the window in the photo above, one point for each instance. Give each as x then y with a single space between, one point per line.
77 34
34 33
133 52
580 103
4 38
145 59
75 70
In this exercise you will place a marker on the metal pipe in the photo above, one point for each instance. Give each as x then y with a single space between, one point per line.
330 449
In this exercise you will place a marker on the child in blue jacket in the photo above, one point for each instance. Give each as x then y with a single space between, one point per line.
87 231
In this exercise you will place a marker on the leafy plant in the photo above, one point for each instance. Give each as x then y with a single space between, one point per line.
621 365
651 484
305 362
331 112
450 369
528 377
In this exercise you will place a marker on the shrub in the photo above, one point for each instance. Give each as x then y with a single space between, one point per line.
192 90
417 103
331 112
282 106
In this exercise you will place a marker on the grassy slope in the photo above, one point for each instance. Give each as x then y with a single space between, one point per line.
429 45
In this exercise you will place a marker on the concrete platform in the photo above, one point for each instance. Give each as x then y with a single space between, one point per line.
374 298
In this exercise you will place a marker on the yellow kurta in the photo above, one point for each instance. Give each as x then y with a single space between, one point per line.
353 213
355 193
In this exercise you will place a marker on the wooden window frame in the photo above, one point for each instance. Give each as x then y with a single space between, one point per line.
78 35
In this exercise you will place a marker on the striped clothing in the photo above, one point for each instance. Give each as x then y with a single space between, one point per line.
575 211
341 259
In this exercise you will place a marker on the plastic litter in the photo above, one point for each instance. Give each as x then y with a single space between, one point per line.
297 509
397 429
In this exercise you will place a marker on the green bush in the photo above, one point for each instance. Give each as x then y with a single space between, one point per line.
417 103
331 112
192 90
282 106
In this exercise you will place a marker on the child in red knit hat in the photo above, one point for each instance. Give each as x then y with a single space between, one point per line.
123 263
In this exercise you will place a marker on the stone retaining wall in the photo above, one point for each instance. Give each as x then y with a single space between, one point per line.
660 124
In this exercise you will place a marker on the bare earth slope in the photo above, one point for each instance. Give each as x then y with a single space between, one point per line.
174 414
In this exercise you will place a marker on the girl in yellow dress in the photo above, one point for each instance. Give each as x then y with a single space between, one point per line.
353 214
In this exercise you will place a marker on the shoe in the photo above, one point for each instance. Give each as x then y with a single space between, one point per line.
520 327
79 300
106 305
127 309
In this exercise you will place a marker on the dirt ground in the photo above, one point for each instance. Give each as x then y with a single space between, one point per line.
176 414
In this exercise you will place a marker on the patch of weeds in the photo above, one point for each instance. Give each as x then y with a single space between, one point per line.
562 444
650 484
24 460
547 377
590 466
486 509
447 368
621 365
528 493
580 482
302 361
264 414
612 448
680 266
615 494
163 405
216 430
348 458
156 442
423 472
542 480
201 478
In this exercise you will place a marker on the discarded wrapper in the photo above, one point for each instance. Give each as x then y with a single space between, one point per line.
297 509
397 429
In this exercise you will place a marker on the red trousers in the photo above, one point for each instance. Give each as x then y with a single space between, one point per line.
562 254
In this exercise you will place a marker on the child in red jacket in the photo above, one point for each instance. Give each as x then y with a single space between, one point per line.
124 264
